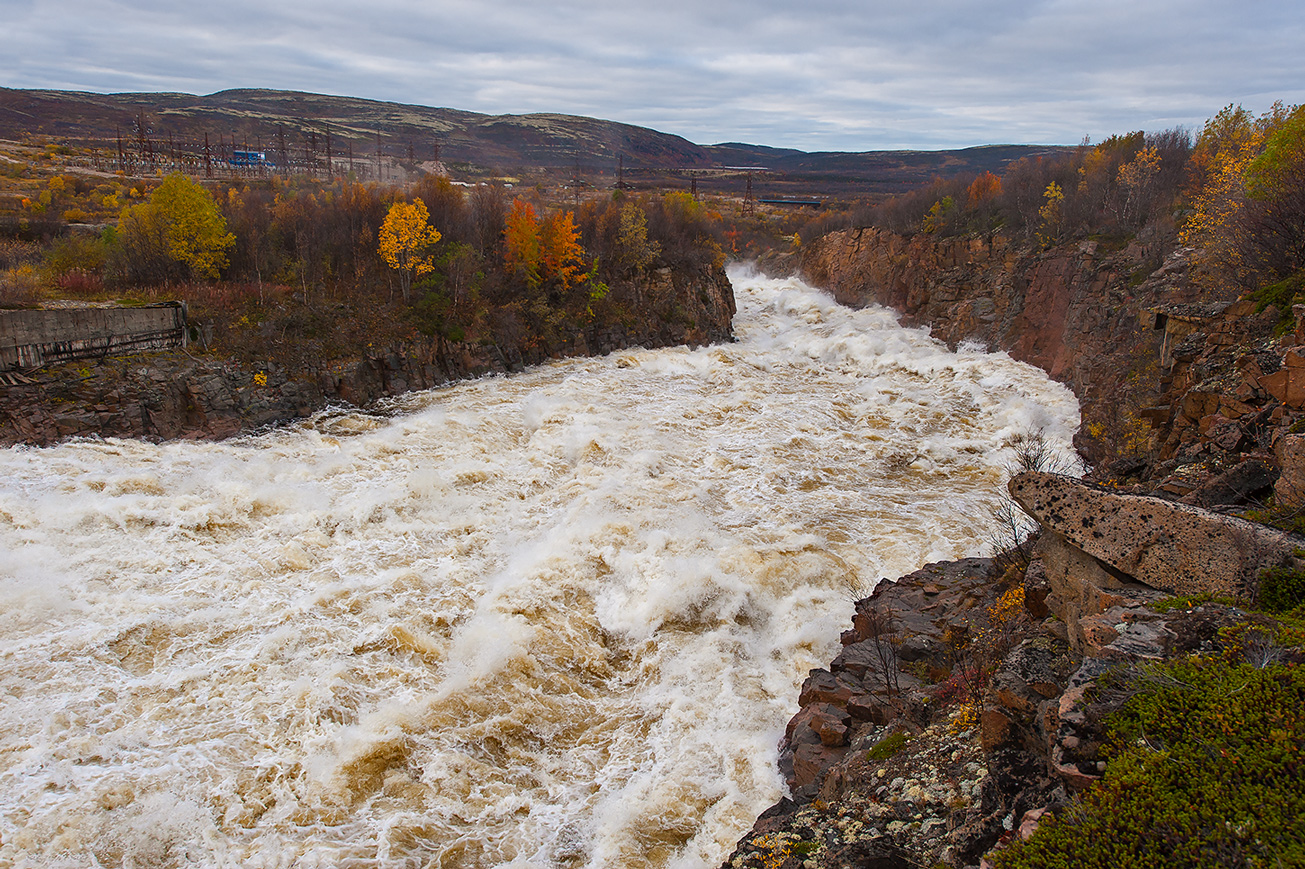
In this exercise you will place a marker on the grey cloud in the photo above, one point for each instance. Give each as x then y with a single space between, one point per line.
823 75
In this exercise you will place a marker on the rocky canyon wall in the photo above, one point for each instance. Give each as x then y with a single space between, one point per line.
1085 312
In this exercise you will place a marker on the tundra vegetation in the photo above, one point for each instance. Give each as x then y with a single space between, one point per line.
1205 757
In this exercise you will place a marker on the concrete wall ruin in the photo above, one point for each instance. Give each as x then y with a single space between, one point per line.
30 339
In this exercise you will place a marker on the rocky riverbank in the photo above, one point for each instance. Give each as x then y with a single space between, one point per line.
966 703
192 394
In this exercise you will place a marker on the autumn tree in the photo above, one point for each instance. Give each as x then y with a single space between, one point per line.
561 255
1052 214
983 189
633 250
522 252
406 238
1271 232
939 216
1223 154
1137 178
178 232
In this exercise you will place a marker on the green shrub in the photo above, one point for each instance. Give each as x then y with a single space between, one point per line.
1281 295
1190 601
1281 590
1205 771
888 746
1285 518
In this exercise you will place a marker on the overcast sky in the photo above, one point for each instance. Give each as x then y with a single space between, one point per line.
814 75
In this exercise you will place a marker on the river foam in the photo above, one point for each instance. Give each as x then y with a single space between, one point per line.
557 619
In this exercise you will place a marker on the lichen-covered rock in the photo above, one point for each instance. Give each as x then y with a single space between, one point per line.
1173 547
1289 491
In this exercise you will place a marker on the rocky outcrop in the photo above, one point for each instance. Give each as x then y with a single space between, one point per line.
1187 393
964 705
1167 546
163 396
1194 407
886 758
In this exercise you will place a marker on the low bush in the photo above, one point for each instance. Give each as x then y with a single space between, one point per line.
1205 770
1281 590
888 746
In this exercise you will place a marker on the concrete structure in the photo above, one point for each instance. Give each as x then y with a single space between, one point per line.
30 339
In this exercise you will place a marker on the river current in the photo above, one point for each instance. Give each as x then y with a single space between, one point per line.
552 620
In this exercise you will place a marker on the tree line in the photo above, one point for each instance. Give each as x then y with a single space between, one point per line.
1235 192
450 261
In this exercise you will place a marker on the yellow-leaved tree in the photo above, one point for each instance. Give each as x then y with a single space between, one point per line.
406 238
177 234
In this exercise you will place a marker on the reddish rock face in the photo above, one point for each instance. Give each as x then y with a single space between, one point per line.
1074 310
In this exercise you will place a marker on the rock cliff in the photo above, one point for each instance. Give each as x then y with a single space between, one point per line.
160 396
966 702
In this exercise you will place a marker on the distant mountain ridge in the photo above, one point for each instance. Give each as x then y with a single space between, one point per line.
264 118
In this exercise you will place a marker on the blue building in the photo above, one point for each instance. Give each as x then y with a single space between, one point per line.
250 158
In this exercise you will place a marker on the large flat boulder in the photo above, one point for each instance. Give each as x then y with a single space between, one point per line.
1172 547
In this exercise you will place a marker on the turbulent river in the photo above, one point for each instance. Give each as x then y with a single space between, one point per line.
557 619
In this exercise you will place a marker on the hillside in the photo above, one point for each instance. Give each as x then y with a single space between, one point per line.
392 138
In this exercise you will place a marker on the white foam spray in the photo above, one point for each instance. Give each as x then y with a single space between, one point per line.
556 619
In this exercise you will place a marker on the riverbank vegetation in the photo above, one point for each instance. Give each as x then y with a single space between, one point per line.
1234 192
301 267
1205 757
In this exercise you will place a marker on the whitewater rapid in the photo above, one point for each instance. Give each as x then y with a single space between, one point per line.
552 620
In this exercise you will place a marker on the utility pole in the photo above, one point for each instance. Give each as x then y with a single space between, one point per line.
208 158
142 140
330 166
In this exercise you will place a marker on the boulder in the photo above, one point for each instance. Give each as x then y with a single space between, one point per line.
822 686
1237 485
1289 491
866 707
1081 587
1172 547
